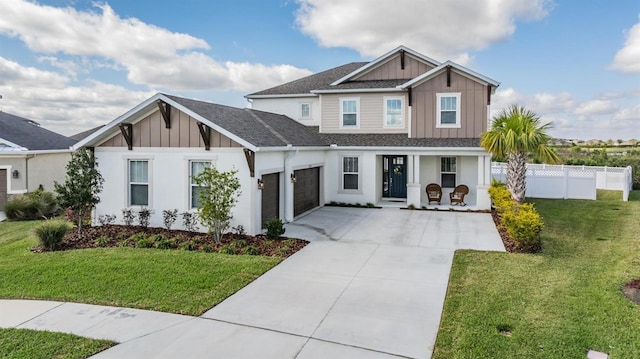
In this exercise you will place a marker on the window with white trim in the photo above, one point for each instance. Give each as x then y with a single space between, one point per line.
305 111
195 168
350 173
349 112
448 109
393 112
448 170
138 183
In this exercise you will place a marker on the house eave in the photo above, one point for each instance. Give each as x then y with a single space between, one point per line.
368 90
281 96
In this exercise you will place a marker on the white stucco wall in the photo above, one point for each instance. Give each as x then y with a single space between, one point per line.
290 107
12 163
369 180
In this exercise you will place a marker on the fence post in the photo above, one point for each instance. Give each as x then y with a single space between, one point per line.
628 182
566 183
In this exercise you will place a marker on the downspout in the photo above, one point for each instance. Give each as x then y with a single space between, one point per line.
288 186
26 171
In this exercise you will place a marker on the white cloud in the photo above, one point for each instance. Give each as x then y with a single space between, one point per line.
627 59
596 107
631 113
439 29
152 56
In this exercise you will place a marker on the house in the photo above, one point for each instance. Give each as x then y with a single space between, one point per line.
394 125
30 156
375 132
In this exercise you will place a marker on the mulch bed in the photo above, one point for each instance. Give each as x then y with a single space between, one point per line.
231 243
632 291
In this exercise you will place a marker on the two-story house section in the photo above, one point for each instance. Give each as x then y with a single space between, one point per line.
394 125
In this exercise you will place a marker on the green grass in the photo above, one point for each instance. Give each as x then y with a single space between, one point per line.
23 343
170 281
556 304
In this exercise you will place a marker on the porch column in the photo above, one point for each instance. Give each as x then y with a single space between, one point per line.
413 181
484 181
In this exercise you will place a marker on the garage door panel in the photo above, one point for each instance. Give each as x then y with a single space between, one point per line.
270 197
306 190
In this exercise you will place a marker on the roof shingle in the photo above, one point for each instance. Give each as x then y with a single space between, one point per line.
30 135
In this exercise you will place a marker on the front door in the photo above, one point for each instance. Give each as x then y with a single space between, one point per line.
394 176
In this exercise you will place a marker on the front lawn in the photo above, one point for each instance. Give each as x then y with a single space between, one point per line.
559 303
174 281
23 343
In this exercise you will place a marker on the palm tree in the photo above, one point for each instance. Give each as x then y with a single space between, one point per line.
514 133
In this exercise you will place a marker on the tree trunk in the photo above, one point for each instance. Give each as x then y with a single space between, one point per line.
516 175
79 223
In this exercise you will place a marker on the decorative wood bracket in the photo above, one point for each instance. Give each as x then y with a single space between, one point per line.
127 133
165 111
488 95
448 76
409 95
401 59
205 133
251 161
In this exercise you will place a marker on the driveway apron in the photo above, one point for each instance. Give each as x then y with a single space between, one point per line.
371 284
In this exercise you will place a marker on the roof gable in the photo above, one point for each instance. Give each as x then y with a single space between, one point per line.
456 67
27 135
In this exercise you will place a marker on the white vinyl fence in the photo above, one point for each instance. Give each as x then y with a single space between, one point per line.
578 182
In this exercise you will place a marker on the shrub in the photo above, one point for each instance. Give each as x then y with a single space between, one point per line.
218 195
144 242
144 217
106 219
251 250
227 250
188 246
239 230
238 244
128 216
501 197
169 217
208 248
190 221
524 225
38 204
50 233
411 207
163 242
275 228
370 205
102 241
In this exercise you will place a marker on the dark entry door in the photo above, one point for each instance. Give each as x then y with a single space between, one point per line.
270 197
394 176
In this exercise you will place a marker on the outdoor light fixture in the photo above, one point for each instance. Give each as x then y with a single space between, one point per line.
15 173
293 178
260 184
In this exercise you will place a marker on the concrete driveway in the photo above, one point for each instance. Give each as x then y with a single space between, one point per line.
370 285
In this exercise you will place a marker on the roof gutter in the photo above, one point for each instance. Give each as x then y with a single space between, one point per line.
387 89
281 96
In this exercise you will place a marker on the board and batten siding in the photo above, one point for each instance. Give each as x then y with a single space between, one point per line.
371 115
473 107
392 70
150 131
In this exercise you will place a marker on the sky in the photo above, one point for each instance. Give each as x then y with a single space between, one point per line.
73 64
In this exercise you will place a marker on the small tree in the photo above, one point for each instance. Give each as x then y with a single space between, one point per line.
82 185
218 195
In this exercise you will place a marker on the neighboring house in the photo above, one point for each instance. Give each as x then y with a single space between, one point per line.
30 156
375 132
394 124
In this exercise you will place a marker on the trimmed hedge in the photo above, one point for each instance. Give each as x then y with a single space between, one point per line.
522 222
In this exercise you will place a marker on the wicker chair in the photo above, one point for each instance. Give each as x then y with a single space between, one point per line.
457 196
434 193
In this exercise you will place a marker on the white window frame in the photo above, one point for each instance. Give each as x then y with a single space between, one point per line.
148 183
190 180
455 173
386 112
358 173
342 113
439 110
302 115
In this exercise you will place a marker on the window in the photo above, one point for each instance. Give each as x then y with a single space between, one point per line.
305 110
350 177
394 112
349 112
195 168
138 183
448 112
448 172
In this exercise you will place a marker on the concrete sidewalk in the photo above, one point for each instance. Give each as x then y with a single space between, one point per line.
370 285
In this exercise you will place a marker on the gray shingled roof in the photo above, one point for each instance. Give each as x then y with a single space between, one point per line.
30 135
82 135
372 84
262 129
313 82
395 140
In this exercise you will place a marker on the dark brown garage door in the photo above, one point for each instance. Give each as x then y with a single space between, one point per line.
306 190
270 197
3 189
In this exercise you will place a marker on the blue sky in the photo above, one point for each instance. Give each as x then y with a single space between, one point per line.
75 64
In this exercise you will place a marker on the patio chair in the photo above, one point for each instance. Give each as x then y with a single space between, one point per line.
434 192
457 196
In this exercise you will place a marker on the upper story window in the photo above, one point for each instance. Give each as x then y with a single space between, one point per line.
138 182
349 112
448 109
393 112
195 168
305 111
448 170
